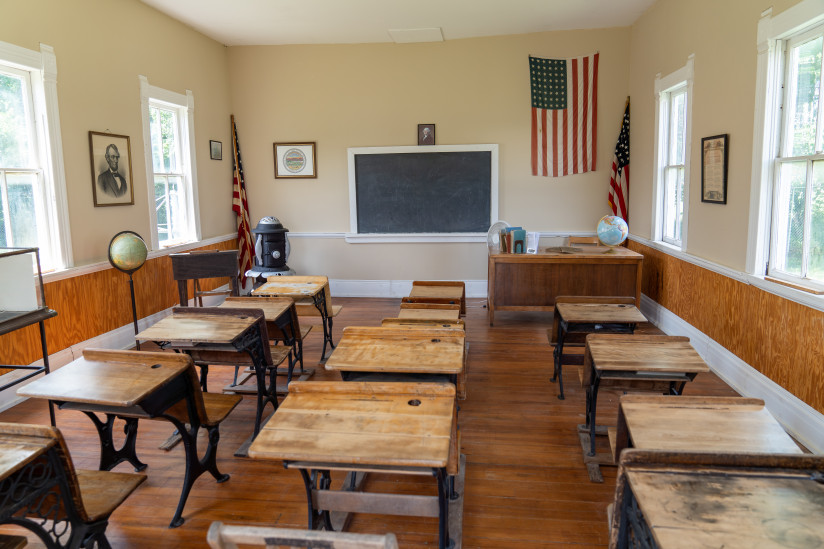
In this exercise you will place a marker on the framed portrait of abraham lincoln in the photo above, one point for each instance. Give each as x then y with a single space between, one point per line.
111 158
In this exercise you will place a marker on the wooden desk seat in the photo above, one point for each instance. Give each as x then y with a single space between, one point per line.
227 536
438 291
430 311
423 323
92 495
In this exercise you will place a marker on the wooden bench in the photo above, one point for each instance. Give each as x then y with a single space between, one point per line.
12 542
226 536
36 461
438 291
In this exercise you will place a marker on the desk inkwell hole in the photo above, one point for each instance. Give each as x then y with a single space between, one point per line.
156 366
414 402
436 341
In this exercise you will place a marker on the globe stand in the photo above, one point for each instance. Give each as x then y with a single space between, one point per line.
134 258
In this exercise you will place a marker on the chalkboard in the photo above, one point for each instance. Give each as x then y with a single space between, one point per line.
436 191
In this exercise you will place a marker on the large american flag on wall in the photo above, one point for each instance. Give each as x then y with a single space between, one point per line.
564 115
241 207
619 176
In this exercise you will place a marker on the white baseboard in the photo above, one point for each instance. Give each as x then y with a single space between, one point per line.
391 288
119 338
798 419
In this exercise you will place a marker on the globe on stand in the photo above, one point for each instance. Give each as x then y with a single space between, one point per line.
127 253
612 230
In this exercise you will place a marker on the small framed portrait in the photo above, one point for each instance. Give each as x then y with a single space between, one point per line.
296 160
714 156
426 134
215 150
111 158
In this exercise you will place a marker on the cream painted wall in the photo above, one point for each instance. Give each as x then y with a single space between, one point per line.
474 90
101 47
722 35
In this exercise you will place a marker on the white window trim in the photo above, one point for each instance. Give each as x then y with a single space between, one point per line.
147 93
767 119
662 84
44 92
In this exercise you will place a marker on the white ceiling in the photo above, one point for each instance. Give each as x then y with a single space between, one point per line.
263 22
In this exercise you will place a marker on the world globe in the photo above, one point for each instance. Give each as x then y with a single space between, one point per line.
127 251
612 230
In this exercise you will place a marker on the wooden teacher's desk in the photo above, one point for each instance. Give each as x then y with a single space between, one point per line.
531 282
686 500
134 385
392 428
699 424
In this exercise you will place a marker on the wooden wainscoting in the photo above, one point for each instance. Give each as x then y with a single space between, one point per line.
92 304
780 338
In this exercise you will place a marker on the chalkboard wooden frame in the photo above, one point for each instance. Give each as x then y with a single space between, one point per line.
356 236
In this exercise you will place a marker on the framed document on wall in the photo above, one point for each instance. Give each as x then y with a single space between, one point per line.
714 169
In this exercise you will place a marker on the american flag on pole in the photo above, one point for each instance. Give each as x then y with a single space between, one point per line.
564 115
619 177
241 207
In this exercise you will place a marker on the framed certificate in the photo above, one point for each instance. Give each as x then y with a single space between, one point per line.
714 169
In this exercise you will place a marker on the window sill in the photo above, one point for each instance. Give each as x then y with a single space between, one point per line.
794 286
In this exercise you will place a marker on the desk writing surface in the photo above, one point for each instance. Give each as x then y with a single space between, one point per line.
704 424
438 292
729 510
399 350
288 288
108 383
272 307
600 312
18 450
364 423
205 328
629 353
430 314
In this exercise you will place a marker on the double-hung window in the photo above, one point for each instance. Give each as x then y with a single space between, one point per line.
797 235
32 184
673 94
170 162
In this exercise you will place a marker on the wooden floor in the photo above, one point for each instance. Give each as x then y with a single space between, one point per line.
526 484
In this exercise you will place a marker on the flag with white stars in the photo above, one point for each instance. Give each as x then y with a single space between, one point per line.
619 176
564 115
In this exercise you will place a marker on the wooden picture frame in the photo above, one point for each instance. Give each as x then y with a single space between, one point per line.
714 159
296 160
111 166
215 150
426 134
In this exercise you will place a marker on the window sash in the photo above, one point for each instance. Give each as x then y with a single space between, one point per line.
673 111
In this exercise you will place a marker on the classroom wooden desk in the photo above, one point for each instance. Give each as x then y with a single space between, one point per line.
418 311
281 324
687 500
395 353
530 282
589 318
394 428
298 287
699 424
148 385
438 291
205 332
633 362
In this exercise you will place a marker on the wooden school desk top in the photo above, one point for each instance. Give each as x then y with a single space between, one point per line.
272 307
203 328
702 424
704 506
643 354
108 383
284 287
440 292
357 423
18 450
606 313
399 350
431 314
